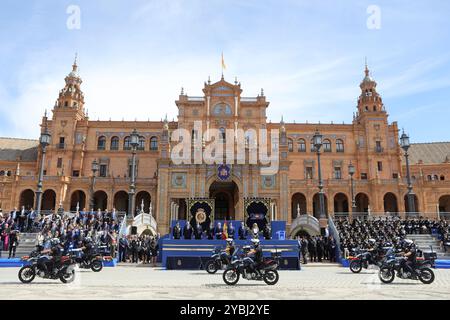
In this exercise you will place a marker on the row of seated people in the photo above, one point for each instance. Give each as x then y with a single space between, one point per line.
219 232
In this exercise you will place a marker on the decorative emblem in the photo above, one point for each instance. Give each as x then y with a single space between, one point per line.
200 216
223 172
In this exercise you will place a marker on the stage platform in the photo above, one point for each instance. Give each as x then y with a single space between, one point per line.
193 254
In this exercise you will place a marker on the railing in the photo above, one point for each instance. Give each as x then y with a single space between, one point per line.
306 219
335 234
61 146
144 219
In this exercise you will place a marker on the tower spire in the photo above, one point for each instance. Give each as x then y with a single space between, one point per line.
367 68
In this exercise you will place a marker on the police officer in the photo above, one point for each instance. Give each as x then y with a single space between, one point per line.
187 231
257 253
242 232
198 231
177 231
410 255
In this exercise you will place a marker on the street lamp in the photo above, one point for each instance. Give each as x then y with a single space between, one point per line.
134 141
44 141
405 144
317 141
351 172
94 168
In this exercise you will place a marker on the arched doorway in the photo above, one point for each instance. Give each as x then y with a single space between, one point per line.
146 198
49 200
78 198
298 205
26 199
100 200
362 202
121 201
316 205
340 203
390 202
182 209
444 203
416 203
226 195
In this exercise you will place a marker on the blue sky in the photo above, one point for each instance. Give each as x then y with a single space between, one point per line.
135 55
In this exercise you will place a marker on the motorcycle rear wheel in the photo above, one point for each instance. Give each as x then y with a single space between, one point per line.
211 267
386 275
355 266
67 277
27 274
271 277
96 266
426 275
231 277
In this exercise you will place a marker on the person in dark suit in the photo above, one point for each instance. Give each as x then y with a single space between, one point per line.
267 232
332 249
242 232
123 244
176 231
13 243
304 247
231 231
187 231
198 232
319 249
218 231
312 249
210 231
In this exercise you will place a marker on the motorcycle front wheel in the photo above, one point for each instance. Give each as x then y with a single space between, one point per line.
426 275
96 266
27 274
386 275
231 277
356 266
211 267
67 277
271 277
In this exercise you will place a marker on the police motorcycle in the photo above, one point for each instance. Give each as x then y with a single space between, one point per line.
365 258
393 265
37 265
241 265
219 259
93 260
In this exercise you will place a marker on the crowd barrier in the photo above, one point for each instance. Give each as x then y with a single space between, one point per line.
17 263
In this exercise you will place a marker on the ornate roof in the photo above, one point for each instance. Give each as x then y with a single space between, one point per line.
12 149
429 153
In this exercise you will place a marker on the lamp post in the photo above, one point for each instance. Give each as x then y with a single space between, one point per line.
405 144
134 141
94 168
44 141
351 172
317 140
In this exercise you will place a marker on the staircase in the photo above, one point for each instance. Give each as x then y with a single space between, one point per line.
424 241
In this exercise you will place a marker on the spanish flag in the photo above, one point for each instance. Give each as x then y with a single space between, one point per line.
223 63
225 230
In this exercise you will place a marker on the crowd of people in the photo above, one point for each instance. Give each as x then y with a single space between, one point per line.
317 248
138 249
385 231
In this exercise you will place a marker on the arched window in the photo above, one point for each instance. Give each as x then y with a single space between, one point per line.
326 145
374 108
339 145
313 147
127 143
442 178
436 178
301 145
114 143
430 178
154 144
2 173
290 145
101 144
141 145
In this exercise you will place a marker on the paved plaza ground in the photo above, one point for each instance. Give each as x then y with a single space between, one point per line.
313 282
